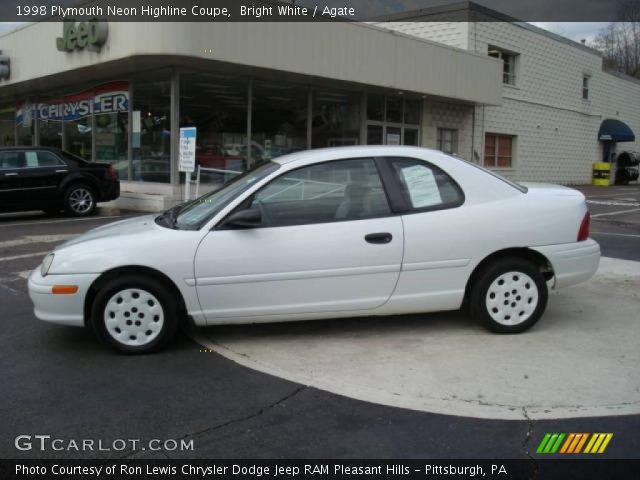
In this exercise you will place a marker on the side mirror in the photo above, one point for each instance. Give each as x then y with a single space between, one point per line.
248 218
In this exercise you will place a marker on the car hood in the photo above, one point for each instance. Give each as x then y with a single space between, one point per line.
128 227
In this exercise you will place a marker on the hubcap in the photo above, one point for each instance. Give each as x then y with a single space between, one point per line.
512 298
80 200
133 317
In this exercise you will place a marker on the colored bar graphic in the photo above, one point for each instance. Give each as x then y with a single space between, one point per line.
556 443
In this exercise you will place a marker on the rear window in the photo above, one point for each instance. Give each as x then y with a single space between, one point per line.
511 183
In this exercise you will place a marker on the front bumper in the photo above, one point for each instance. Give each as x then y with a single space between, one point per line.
62 309
572 262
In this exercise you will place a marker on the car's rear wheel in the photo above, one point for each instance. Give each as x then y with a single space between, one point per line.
80 200
135 314
509 296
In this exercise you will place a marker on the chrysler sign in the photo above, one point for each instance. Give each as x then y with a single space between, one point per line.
90 35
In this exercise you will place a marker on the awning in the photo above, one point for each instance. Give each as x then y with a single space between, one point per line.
616 131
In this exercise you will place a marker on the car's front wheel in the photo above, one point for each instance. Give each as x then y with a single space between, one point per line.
509 296
135 314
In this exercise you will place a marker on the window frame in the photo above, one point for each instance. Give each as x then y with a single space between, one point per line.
508 58
245 204
12 168
61 162
454 139
496 155
586 86
391 184
403 194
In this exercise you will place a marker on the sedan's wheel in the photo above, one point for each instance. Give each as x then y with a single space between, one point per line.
135 314
509 296
80 200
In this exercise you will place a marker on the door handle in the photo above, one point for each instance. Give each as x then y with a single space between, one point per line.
379 238
61 171
10 174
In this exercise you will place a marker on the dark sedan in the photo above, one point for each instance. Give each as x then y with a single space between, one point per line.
49 179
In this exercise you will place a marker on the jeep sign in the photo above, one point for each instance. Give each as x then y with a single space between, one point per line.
90 35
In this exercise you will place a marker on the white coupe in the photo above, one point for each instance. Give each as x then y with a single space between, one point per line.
341 232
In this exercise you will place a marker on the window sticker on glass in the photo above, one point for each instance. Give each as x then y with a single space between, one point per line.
422 186
32 159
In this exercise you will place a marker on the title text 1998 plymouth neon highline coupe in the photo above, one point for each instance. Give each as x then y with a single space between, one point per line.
340 232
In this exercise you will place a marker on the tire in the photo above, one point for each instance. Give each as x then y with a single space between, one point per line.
135 314
80 200
494 303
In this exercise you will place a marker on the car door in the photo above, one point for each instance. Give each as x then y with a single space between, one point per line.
438 248
40 178
328 242
11 165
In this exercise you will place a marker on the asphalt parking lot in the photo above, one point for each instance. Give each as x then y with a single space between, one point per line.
357 388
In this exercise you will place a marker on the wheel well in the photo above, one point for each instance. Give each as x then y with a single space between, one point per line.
133 269
525 253
93 184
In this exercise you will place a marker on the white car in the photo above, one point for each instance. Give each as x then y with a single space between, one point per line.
340 232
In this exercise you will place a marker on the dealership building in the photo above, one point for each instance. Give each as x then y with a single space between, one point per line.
529 104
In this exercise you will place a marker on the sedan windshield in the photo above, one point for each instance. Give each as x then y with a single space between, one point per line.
192 215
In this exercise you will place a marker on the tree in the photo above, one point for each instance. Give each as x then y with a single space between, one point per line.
620 41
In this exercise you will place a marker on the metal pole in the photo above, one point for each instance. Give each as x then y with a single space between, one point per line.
249 121
175 127
309 117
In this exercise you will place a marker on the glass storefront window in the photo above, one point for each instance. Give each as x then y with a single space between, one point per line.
336 118
412 112
217 106
24 124
152 137
50 133
375 107
77 137
401 120
111 125
111 138
7 127
279 120
394 110
49 127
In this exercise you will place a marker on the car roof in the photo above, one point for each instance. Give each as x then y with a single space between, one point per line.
30 147
306 157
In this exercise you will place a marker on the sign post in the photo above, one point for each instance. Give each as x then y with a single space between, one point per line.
187 160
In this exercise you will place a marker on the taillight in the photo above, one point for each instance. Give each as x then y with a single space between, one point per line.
583 233
113 173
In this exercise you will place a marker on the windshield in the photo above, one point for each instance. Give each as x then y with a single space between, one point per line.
193 215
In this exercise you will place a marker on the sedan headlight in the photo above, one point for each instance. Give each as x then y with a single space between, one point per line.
46 264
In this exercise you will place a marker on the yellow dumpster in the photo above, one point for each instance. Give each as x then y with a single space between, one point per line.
601 174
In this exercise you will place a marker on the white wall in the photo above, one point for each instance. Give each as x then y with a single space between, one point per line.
352 52
556 129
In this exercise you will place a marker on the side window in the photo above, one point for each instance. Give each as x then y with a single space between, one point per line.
11 160
425 186
42 159
326 192
47 159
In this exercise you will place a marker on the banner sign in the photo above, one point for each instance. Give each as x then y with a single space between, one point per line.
108 98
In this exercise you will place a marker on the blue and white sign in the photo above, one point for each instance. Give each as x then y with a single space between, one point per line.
187 159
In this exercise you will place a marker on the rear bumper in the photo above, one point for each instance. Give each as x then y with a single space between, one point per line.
572 262
61 309
110 191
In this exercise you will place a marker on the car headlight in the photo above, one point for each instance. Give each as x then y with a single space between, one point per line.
46 264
